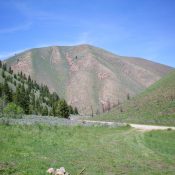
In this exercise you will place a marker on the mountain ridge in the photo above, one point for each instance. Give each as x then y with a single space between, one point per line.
88 77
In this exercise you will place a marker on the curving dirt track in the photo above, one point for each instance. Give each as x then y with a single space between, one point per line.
136 126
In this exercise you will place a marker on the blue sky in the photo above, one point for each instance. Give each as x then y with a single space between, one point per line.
142 28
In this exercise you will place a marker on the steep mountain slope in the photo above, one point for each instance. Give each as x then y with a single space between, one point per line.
156 105
88 77
21 95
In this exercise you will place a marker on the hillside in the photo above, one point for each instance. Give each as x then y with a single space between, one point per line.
156 105
21 95
88 77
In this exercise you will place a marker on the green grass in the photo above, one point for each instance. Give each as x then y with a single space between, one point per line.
28 150
156 105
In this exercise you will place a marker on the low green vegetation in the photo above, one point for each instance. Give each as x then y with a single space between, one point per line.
100 150
156 105
20 94
12 110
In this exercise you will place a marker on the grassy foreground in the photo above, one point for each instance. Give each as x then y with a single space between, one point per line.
31 150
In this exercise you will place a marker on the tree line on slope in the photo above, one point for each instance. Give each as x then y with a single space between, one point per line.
20 93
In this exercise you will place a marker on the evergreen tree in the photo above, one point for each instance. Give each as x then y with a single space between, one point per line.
7 92
54 109
3 74
15 76
23 98
62 109
45 111
4 66
10 70
128 96
24 77
26 105
1 89
71 111
37 104
21 74
29 79
33 100
17 96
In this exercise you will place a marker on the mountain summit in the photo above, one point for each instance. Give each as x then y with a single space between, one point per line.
88 77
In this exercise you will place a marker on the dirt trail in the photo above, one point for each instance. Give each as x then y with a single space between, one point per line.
151 127
136 126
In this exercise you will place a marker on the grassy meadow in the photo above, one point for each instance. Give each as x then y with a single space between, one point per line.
31 150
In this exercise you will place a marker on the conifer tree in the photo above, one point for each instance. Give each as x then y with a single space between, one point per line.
26 103
71 111
10 70
45 111
7 92
3 74
4 66
23 98
1 89
15 76
54 109
62 109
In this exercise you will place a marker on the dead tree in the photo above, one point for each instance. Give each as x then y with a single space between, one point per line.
92 113
103 107
128 96
108 106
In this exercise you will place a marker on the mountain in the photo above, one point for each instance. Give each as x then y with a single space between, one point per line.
88 77
156 105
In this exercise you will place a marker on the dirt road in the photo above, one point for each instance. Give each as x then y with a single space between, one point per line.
136 126
151 127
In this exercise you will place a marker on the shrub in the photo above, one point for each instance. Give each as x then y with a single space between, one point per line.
14 111
5 122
